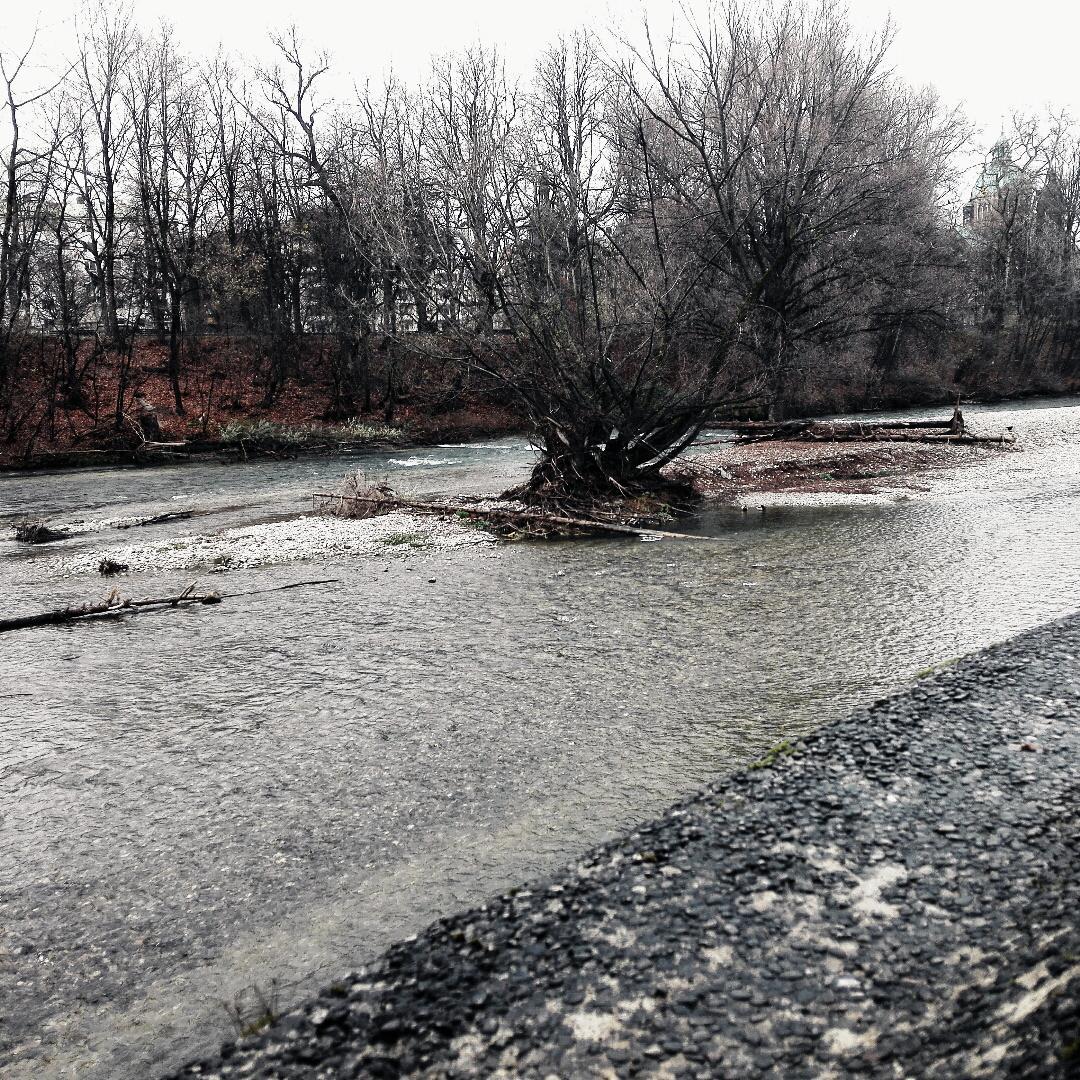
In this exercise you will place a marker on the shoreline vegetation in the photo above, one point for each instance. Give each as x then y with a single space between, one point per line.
242 429
295 425
275 433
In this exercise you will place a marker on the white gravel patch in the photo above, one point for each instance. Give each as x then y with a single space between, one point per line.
283 541
755 500
493 502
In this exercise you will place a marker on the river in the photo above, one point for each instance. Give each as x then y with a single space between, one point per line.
268 791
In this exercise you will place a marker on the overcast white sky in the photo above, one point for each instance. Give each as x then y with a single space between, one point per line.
992 56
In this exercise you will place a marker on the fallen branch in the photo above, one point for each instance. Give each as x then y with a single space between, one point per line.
281 588
387 503
113 608
159 519
116 606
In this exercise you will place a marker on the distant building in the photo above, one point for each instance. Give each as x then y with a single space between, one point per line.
998 179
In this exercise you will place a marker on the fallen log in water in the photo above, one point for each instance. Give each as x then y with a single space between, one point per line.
158 519
115 606
387 503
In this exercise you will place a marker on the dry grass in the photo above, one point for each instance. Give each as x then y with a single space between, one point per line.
363 498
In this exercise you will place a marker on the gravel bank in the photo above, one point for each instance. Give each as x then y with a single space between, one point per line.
806 473
282 542
899 897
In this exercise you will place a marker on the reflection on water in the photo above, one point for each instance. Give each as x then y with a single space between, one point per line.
290 780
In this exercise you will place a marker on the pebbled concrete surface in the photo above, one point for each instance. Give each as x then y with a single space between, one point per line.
899 897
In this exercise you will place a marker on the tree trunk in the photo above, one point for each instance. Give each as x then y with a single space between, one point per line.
174 349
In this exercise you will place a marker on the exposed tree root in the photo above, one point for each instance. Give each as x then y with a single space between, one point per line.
37 532
565 487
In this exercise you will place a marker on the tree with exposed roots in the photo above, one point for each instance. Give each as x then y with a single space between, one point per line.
595 302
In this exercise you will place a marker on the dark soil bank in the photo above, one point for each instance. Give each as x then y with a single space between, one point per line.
899 896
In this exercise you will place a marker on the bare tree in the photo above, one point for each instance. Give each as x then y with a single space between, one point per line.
1023 222
472 112
592 279
806 160
176 157
339 224
25 164
62 291
107 50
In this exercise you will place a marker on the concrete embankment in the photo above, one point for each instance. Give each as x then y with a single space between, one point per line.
898 897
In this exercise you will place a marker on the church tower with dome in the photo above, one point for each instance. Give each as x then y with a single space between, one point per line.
998 178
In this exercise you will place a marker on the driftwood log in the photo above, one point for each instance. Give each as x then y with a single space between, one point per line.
115 606
389 502
888 435
781 428
951 430
158 519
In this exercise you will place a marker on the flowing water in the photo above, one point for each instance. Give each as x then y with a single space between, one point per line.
268 791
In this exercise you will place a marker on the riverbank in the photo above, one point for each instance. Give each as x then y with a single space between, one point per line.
896 894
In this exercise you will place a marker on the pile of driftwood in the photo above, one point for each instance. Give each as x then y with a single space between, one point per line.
947 431
506 521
